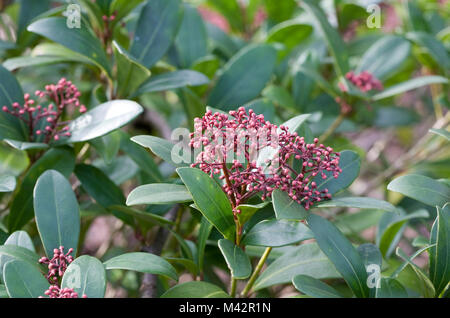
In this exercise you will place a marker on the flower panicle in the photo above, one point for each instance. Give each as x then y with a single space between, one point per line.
57 265
60 96
230 144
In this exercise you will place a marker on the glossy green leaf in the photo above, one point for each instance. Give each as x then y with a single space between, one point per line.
103 119
434 47
12 161
243 77
23 145
195 290
107 146
172 80
248 210
391 288
286 208
237 261
159 193
210 199
372 259
191 40
155 31
409 85
7 183
81 40
358 202
331 35
280 96
142 262
9 251
59 159
440 254
163 149
313 287
389 233
290 34
350 163
385 56
23 280
57 213
421 188
21 239
277 233
130 73
203 234
87 276
341 252
10 92
306 259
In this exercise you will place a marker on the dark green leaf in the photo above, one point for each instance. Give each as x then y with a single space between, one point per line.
313 287
277 233
341 252
358 202
142 262
56 211
195 290
237 261
391 288
421 188
159 193
23 280
210 199
286 208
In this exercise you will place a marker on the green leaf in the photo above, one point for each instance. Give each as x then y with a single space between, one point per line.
9 251
163 149
237 261
385 56
57 213
107 146
102 189
7 183
130 73
159 193
142 215
155 31
141 157
203 234
195 290
210 199
306 259
277 233
191 40
142 262
341 252
358 202
248 210
387 236
441 132
87 276
23 280
433 46
12 161
10 92
81 40
103 119
421 188
409 85
390 288
290 34
350 163
425 285
286 208
23 145
440 254
172 80
231 11
372 258
243 77
313 287
21 239
279 96
61 159
332 37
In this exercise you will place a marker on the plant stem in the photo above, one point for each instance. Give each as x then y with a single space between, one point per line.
332 128
255 274
233 287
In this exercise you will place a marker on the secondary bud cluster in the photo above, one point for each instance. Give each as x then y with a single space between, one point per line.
365 81
231 145
44 120
58 264
54 291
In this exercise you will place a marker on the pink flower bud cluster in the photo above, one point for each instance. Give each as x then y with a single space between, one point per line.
58 264
244 135
365 81
54 291
60 95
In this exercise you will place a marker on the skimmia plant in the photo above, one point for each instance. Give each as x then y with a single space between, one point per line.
177 149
